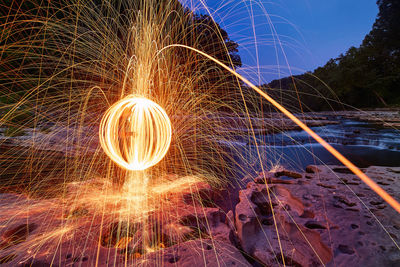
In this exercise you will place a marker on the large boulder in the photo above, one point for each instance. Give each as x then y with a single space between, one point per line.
326 217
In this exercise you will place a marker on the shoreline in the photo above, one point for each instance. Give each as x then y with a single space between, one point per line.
324 215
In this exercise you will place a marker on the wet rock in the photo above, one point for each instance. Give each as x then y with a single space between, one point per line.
385 118
288 173
312 169
272 178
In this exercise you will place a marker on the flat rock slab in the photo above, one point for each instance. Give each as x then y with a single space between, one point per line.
326 217
389 118
91 228
206 252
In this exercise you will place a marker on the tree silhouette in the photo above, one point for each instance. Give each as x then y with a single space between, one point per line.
367 76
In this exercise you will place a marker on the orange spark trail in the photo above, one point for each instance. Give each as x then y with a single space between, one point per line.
382 193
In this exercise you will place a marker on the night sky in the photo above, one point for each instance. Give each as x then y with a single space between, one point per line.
310 32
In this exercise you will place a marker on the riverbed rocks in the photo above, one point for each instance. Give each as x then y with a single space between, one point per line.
204 252
323 216
327 217
389 118
97 229
269 123
274 237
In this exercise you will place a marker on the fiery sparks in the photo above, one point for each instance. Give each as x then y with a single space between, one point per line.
145 177
135 133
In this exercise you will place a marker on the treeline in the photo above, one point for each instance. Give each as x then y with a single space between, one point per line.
367 76
57 54
40 36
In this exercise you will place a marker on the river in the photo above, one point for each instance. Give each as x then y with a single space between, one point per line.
363 143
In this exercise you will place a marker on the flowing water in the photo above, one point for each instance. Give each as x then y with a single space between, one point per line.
363 143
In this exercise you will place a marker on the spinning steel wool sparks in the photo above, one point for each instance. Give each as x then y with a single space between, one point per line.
135 133
92 175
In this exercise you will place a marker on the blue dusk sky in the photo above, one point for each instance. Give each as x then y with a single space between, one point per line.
292 36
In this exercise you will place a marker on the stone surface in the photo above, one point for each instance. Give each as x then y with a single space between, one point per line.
188 231
206 252
258 228
326 217
389 118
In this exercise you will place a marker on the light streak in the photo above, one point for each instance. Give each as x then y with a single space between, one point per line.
374 186
135 133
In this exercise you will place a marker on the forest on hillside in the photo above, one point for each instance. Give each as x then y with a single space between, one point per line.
364 77
26 42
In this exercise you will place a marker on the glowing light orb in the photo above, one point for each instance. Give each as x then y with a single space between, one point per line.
135 133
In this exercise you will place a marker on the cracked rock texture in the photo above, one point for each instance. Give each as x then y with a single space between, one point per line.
325 216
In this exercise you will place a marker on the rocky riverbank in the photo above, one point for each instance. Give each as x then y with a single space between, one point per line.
61 138
389 118
324 216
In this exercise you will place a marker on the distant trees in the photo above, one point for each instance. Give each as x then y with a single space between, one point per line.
40 36
367 76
